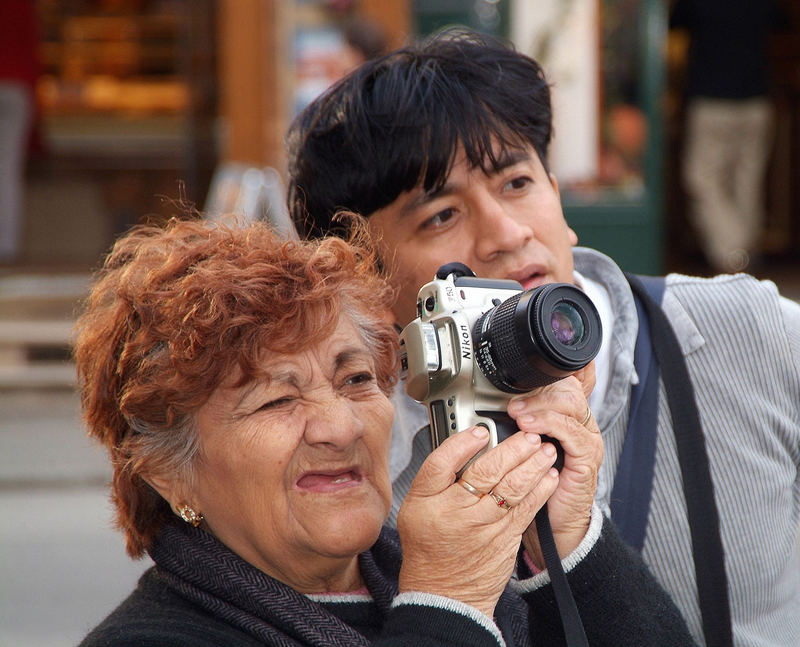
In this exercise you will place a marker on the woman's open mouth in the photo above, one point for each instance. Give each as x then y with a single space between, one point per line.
328 481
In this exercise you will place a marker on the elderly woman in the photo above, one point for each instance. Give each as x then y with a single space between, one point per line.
240 385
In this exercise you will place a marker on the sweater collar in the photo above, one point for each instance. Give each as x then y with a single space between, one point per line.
202 569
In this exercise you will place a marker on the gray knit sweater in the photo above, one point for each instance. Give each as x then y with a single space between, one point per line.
741 343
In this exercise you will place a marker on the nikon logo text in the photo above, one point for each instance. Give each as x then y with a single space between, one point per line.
466 346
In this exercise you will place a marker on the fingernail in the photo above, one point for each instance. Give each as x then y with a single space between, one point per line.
514 405
549 449
480 431
533 439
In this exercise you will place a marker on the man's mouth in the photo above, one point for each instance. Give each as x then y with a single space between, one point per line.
533 282
530 276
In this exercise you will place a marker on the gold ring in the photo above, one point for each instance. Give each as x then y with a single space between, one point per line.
588 415
500 501
470 488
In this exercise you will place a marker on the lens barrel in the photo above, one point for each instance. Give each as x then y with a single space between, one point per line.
537 337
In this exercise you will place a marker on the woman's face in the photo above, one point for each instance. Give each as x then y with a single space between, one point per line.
292 472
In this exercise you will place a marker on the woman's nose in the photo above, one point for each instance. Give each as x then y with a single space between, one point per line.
334 422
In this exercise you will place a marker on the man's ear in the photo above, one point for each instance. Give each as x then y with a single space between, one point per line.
554 184
573 237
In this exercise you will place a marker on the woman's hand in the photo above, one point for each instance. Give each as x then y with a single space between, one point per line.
463 543
560 411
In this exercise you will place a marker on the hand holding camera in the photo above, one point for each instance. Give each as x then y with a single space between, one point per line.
479 344
461 543
560 411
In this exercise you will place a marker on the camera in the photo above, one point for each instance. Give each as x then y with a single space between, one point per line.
477 342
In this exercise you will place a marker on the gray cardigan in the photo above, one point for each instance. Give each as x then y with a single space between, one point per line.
741 342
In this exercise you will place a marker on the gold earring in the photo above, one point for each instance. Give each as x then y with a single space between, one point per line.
189 515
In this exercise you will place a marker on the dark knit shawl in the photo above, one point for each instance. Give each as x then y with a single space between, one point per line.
201 569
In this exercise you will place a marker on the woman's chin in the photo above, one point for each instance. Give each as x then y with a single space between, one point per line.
352 519
347 533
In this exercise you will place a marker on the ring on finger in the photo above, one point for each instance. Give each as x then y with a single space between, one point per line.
500 501
470 488
588 415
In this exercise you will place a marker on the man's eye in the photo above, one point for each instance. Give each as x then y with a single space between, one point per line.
438 219
518 183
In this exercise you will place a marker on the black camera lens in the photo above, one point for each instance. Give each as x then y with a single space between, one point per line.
567 324
537 337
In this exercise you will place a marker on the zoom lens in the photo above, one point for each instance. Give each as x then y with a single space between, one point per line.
567 324
537 337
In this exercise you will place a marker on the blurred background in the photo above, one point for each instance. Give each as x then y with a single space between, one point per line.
116 112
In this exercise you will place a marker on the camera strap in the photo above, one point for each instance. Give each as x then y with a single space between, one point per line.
570 618
634 479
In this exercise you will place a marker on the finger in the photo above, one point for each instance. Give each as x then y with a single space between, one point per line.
566 399
518 482
565 396
440 467
493 465
525 489
559 412
587 377
576 439
532 502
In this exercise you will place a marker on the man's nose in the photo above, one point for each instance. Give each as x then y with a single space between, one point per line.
498 230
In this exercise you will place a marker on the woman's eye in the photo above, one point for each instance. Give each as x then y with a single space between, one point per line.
358 379
276 403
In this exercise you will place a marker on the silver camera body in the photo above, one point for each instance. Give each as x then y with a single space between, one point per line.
478 342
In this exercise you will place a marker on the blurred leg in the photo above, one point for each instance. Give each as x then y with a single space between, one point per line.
708 160
755 144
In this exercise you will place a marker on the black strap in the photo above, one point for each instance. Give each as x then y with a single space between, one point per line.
570 618
633 483
567 609
698 488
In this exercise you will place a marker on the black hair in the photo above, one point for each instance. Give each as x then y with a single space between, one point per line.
399 120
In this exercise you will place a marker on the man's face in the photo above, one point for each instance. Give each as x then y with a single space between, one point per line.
506 225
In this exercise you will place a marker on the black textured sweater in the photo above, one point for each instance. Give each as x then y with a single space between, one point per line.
177 603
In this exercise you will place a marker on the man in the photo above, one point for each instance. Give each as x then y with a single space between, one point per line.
443 147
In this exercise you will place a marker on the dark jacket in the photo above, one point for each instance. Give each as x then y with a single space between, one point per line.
728 45
202 594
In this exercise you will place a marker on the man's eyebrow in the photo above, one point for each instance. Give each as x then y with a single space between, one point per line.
510 157
506 158
424 197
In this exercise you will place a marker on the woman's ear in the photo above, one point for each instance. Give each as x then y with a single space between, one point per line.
169 487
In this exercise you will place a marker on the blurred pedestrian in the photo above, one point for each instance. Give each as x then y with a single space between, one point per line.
729 123
19 70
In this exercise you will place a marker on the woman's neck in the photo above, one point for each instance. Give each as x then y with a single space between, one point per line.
335 578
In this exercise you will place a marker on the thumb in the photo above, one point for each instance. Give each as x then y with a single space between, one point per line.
438 471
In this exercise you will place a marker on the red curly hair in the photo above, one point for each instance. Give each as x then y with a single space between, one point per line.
176 310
